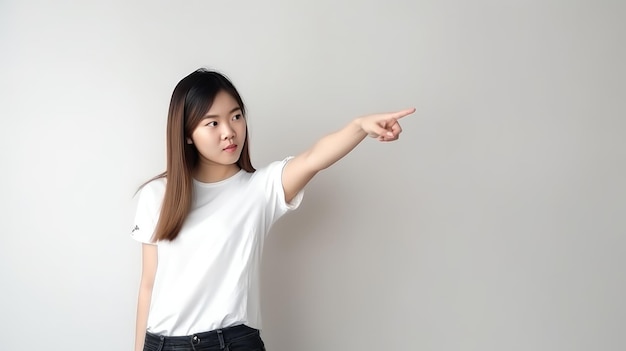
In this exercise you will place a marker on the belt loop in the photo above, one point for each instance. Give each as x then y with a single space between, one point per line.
220 336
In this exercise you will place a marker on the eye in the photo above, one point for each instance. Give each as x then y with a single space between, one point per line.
211 124
237 117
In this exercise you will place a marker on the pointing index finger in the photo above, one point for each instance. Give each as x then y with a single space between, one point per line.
403 113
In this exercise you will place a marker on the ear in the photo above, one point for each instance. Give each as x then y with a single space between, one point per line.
189 141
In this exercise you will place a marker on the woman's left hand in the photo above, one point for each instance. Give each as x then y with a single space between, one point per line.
384 126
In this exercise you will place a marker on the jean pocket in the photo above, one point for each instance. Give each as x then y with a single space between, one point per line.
252 342
152 344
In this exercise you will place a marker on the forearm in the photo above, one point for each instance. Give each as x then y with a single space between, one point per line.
331 148
143 307
335 146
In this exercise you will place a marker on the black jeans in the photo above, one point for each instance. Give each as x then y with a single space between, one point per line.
237 338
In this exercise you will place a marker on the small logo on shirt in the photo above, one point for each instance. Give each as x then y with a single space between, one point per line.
135 229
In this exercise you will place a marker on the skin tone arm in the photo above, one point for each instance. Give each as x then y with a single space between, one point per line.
149 265
331 148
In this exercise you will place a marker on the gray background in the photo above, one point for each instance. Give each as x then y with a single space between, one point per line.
494 223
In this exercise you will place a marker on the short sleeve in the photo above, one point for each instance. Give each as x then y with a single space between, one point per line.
277 178
269 180
274 192
148 209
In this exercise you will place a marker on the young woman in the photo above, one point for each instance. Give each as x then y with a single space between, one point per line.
204 220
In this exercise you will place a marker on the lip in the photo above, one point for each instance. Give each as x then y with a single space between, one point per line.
230 148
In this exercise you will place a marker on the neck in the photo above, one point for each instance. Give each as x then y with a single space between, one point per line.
214 173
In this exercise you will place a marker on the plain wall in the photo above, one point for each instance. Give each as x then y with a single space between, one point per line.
496 222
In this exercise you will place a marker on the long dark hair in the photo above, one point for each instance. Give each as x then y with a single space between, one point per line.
191 100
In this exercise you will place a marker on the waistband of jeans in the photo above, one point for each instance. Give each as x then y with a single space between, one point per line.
209 337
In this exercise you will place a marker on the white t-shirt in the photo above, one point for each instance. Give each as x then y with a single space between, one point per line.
208 277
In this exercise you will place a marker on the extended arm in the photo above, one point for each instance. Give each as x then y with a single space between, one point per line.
331 148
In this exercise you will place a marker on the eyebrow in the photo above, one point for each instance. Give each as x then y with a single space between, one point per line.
231 111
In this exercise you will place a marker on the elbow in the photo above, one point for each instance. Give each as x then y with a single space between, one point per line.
146 284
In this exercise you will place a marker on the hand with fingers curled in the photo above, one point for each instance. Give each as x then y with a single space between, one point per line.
384 126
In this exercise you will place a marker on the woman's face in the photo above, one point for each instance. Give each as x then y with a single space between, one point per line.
220 135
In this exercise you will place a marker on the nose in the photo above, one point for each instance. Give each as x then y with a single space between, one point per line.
227 132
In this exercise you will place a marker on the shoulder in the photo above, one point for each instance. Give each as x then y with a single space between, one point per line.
154 189
271 168
269 177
